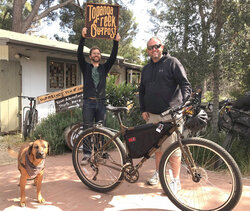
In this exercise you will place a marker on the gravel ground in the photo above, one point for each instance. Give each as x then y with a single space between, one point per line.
14 142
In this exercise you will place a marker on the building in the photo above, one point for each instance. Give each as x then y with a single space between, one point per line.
34 66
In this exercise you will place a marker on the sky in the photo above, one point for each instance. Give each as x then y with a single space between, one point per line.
140 14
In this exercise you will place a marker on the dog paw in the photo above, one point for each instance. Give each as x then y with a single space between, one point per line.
22 204
41 200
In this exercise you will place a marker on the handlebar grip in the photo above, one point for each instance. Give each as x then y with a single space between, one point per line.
165 113
174 109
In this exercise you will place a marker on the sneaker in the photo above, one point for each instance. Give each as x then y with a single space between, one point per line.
85 159
154 180
175 185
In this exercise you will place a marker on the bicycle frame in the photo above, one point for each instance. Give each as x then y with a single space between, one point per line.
185 151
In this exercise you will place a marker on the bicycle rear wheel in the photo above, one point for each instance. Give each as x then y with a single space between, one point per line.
212 188
104 170
72 133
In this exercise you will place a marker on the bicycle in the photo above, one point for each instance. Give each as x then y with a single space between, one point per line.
234 122
203 187
30 118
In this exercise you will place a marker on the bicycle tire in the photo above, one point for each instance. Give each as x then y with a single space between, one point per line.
71 134
226 144
101 174
216 188
26 124
34 120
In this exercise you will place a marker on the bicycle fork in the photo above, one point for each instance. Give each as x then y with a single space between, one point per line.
187 155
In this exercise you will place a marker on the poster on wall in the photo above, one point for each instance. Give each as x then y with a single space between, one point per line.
101 20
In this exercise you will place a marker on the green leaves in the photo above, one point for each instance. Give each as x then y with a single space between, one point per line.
119 94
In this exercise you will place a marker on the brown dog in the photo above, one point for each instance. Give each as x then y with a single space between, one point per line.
31 162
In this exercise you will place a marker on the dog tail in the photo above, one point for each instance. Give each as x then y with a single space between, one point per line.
12 153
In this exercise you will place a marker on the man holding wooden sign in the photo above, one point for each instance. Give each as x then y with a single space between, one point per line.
94 79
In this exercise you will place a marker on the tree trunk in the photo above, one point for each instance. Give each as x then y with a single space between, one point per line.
17 15
21 25
217 68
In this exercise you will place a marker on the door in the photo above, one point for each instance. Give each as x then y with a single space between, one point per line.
10 89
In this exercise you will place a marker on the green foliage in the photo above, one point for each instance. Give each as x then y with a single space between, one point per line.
209 40
5 14
52 129
241 154
123 95
119 94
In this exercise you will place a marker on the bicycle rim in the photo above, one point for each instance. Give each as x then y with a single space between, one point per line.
215 188
103 172
26 124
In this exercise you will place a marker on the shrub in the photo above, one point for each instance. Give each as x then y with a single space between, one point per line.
123 95
52 129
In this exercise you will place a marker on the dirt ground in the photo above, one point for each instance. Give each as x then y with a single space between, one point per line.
64 191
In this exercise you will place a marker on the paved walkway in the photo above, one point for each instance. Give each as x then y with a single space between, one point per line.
64 191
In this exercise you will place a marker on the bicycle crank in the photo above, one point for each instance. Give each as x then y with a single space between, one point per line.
131 174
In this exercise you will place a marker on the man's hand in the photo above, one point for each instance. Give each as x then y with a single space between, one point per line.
84 32
117 37
145 116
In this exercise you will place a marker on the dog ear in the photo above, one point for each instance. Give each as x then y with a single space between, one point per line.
30 148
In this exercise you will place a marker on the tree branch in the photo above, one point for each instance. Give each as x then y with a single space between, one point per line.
27 22
33 17
46 12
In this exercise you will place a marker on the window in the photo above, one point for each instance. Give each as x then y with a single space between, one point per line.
62 74
133 76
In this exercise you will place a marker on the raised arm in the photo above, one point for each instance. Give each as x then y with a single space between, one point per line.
112 58
80 55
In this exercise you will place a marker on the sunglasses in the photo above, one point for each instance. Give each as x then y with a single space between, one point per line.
156 46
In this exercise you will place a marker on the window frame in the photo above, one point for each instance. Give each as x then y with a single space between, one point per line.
65 62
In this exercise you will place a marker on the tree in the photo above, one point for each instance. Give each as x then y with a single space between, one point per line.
200 34
27 13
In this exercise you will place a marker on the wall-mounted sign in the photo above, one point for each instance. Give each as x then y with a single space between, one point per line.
101 20
69 102
60 94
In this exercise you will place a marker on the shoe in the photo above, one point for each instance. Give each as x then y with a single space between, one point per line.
175 185
154 180
85 159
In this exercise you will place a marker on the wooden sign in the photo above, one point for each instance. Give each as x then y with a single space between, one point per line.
69 102
101 20
59 94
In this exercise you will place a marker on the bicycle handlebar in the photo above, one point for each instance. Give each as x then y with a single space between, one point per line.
191 101
175 109
29 98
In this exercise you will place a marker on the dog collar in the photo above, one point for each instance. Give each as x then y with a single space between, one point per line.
31 169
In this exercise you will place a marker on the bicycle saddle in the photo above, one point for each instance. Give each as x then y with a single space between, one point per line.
116 109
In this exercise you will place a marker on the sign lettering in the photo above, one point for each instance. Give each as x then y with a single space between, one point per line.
101 20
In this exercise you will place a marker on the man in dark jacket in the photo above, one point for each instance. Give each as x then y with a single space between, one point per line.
94 85
164 84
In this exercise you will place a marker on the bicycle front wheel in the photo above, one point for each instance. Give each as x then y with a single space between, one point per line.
104 169
26 124
211 188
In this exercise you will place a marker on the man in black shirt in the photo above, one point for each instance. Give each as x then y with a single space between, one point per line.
94 84
164 84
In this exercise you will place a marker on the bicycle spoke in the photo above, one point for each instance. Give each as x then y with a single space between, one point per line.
104 168
212 188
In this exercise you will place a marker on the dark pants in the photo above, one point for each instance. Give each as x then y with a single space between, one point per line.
93 112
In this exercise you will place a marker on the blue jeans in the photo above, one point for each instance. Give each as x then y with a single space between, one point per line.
93 112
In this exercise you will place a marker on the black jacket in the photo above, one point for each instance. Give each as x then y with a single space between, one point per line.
89 89
164 84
